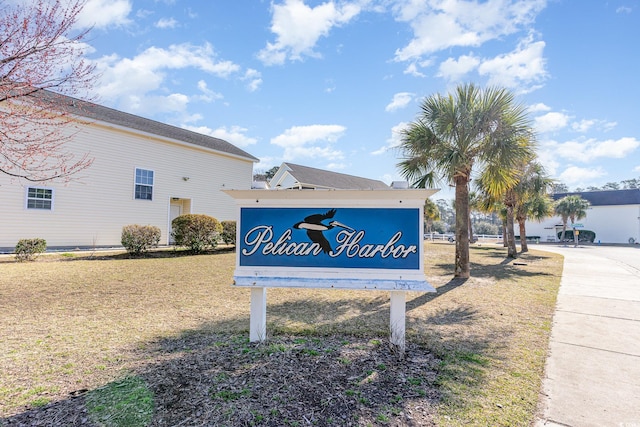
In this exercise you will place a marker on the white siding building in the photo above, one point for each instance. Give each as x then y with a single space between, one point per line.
144 172
614 216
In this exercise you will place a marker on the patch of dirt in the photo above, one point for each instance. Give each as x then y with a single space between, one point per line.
287 381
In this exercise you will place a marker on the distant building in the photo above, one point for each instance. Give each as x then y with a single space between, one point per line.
614 216
144 172
306 178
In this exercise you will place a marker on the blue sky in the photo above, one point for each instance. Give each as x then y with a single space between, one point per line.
328 84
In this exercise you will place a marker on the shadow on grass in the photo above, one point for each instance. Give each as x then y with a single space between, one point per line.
425 298
325 363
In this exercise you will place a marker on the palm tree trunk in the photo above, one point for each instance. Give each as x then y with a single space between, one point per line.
512 251
523 236
462 228
564 229
504 233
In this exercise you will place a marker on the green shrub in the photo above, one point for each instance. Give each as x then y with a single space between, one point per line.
29 249
138 239
229 232
196 231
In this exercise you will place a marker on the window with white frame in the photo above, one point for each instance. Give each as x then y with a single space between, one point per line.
40 198
144 184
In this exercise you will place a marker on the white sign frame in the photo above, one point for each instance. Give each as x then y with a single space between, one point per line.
397 281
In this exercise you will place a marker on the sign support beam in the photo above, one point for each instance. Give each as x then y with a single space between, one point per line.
258 315
397 319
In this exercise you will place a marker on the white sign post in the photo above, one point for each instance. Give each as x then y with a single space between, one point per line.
336 239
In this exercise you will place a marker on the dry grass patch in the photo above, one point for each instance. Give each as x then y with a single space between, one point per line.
491 333
72 324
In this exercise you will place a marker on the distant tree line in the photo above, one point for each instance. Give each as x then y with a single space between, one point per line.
262 175
627 184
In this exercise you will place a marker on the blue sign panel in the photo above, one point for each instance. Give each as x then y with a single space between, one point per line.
379 238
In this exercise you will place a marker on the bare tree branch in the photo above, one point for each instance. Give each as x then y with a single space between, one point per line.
41 65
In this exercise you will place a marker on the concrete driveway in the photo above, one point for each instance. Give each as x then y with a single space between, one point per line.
593 368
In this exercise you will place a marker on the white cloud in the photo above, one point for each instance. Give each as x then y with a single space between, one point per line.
266 163
208 95
454 70
525 66
144 13
393 141
127 82
550 163
585 125
164 23
553 155
439 25
607 126
636 169
576 176
310 142
551 122
254 79
536 108
412 69
104 13
153 104
234 134
298 28
400 100
591 149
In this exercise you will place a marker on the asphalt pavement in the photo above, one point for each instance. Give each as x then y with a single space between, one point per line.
593 368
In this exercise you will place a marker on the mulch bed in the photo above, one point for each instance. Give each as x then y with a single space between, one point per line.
216 380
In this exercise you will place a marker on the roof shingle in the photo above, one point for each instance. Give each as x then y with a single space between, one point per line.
94 111
606 197
318 178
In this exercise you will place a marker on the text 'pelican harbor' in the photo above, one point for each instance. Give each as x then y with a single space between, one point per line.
260 239
380 238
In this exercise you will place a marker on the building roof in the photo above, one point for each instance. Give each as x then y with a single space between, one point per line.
94 111
308 177
607 197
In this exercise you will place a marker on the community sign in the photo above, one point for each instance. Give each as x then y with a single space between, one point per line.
362 239
349 239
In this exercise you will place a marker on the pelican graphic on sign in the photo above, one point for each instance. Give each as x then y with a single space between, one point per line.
314 226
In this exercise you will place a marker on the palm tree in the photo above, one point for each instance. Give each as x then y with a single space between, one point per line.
571 207
505 204
457 133
474 206
533 201
431 213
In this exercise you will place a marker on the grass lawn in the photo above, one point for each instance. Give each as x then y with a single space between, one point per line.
73 325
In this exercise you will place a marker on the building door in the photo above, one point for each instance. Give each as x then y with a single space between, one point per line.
174 212
178 206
